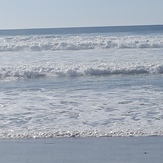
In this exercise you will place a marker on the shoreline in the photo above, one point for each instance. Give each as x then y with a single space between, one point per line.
83 150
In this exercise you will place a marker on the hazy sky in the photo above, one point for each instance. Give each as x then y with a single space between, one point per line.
77 13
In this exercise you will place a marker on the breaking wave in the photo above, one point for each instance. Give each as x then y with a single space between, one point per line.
82 69
81 42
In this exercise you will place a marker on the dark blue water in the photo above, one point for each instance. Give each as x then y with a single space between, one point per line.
145 29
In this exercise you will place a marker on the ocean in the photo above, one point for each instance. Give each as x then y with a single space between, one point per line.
81 82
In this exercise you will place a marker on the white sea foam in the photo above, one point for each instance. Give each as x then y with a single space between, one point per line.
81 69
67 111
53 43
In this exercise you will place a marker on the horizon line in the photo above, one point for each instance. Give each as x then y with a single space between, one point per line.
72 27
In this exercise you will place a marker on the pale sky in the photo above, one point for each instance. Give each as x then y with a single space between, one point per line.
78 13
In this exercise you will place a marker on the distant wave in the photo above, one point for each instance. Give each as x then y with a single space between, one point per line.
75 70
53 43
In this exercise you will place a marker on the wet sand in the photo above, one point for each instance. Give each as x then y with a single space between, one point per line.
83 150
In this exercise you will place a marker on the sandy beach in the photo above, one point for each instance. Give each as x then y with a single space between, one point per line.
83 150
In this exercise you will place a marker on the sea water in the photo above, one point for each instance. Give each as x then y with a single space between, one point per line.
97 81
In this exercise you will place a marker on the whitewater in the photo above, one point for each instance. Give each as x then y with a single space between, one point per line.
81 82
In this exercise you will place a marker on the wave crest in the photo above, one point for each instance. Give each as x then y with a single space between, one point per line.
74 70
53 43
